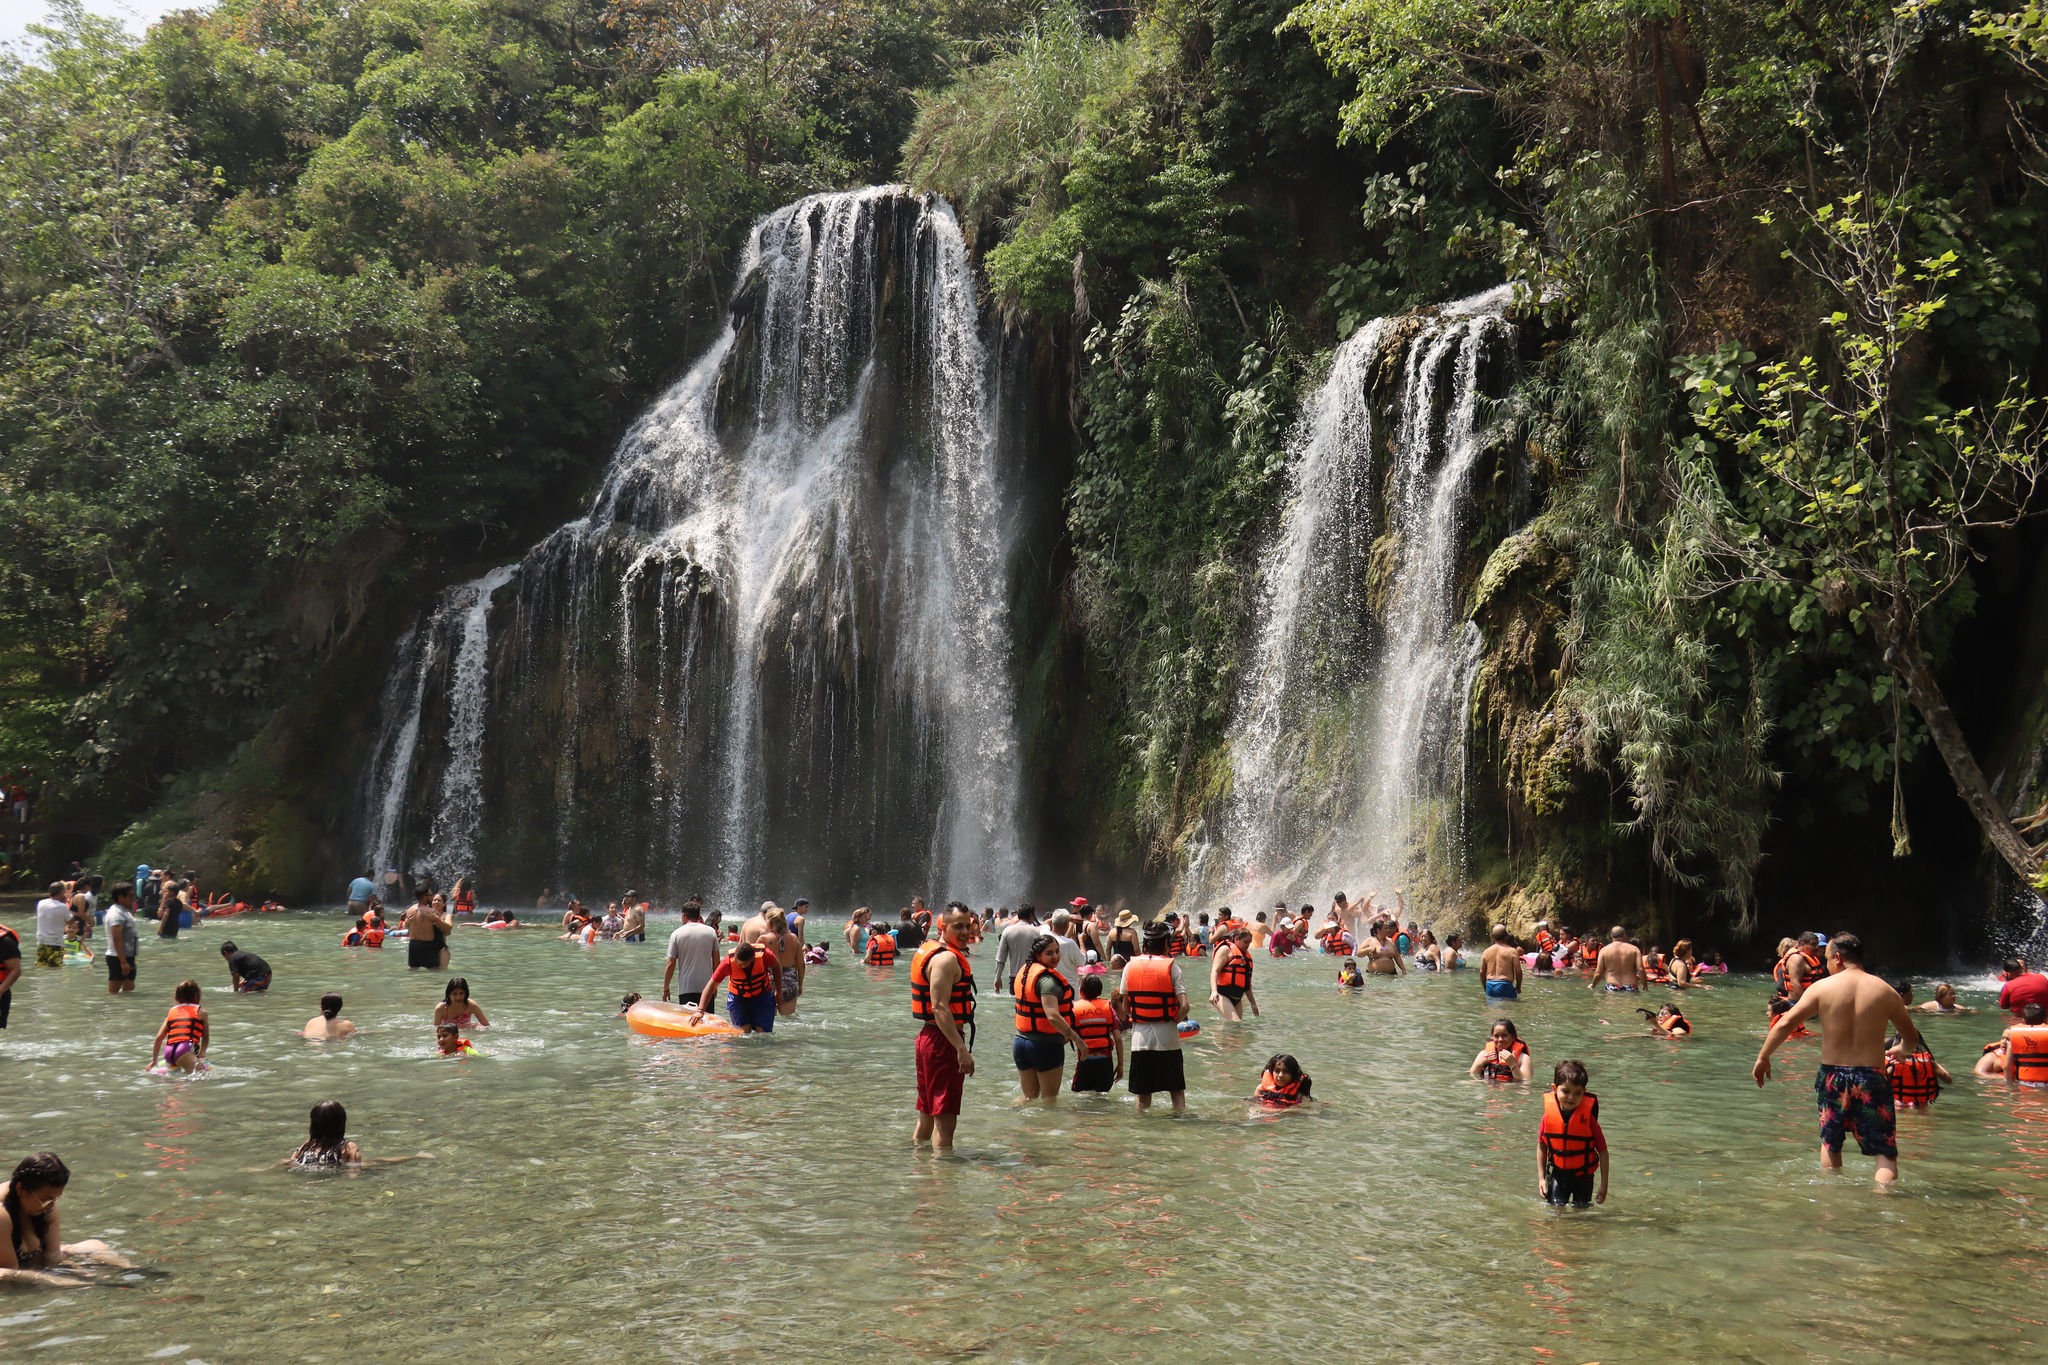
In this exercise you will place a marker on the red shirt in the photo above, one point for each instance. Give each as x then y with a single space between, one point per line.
2026 989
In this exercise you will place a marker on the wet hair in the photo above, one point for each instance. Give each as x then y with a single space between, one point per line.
1260 917
1039 944
228 947
1780 1004
1570 1071
455 983
1283 1062
1848 947
43 1171
187 992
743 953
1944 989
446 1028
690 911
1509 1025
1904 989
1809 939
330 1005
327 1125
1091 988
2033 1012
1308 909
2015 966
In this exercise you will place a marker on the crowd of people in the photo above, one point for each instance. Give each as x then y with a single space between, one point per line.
1109 993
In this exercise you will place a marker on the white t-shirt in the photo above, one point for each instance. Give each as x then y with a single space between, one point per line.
1070 961
120 932
50 919
1164 1035
694 948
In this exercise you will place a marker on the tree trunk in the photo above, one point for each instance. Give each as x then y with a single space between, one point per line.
1902 653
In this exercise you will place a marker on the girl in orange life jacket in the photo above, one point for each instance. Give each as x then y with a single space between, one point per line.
1667 1022
1915 1076
1101 1062
464 897
182 1037
2026 1047
1571 1151
1283 1084
1505 1056
881 948
1781 1004
1044 1013
750 998
1230 976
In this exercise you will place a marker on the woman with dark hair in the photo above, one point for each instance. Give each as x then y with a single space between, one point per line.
1045 1015
28 1213
457 1008
329 1024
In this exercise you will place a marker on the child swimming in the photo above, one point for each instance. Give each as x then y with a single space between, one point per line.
182 1037
1571 1150
1283 1084
452 1043
1348 977
326 1144
1505 1056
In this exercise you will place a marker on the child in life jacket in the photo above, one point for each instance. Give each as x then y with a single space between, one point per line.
182 1037
1667 1022
1916 1077
1782 1004
2026 1046
452 1043
1283 1084
1571 1150
1348 978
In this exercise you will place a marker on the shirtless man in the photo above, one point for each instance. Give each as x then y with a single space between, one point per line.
1855 1094
1500 967
634 930
754 926
1619 966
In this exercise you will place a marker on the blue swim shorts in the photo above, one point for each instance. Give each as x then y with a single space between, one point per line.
756 1013
1500 988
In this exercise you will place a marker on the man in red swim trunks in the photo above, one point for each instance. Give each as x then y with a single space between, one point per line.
942 996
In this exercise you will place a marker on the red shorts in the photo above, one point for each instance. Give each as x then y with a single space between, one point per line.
939 1081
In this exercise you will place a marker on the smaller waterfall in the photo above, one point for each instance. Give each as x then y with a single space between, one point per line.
405 691
461 806
1348 743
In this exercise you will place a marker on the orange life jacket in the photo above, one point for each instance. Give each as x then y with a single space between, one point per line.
1031 1015
185 1025
1544 942
1177 944
1276 1094
962 1002
352 939
751 980
373 937
922 918
1194 947
1494 1069
1913 1080
2026 1059
465 902
1570 1142
881 950
1095 1021
1816 965
1148 985
1234 972
1675 1023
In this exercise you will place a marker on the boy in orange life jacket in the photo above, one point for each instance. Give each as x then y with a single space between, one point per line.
1570 1148
1102 1065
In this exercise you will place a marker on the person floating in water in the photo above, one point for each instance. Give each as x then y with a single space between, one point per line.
31 1240
328 1023
1944 1002
451 1042
326 1144
182 1037
1348 977
1283 1084
2026 1047
1571 1149
1854 1093
1667 1022
1505 1056
1500 967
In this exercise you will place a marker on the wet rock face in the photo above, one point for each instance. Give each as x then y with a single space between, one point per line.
774 656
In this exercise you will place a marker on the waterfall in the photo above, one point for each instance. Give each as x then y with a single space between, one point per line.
774 654
1348 736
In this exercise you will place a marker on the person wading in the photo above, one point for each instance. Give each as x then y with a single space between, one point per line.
1619 966
942 997
1500 967
1855 1094
1045 1014
1154 998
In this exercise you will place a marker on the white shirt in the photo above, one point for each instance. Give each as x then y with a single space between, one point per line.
50 918
1070 960
120 932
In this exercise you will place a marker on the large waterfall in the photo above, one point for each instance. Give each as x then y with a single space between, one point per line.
774 656
1348 737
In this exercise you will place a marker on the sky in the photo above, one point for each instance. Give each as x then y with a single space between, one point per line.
17 15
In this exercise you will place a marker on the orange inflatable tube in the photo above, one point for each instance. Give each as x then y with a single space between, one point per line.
658 1020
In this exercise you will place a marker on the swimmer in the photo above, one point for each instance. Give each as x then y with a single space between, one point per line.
34 1245
246 971
1505 1056
1230 976
1619 966
1854 1093
451 1042
1283 1084
1427 953
2026 1047
856 932
457 1008
182 1037
1571 1150
1100 1063
1347 976
326 1143
1667 1022
1044 1013
1500 967
881 948
354 937
1944 1002
1544 965
329 1023
1451 956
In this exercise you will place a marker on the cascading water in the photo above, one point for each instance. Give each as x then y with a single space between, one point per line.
775 654
1347 743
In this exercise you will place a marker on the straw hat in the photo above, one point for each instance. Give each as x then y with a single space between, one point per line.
1126 920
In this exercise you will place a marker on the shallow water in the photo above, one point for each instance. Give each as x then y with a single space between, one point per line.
611 1197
